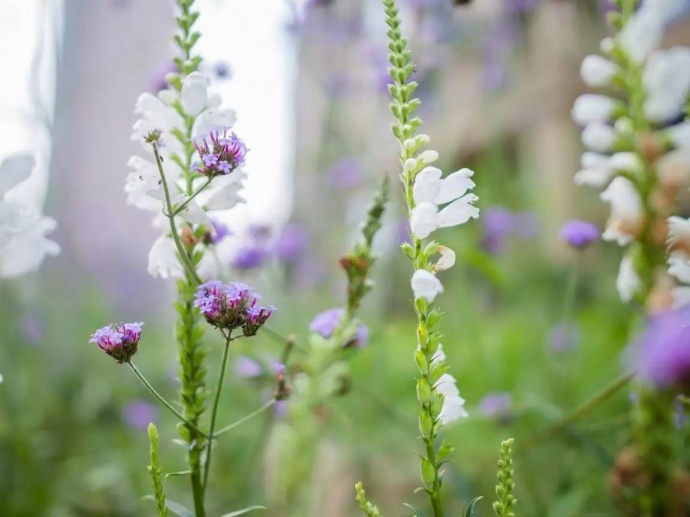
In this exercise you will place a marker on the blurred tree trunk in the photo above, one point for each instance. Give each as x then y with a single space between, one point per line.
112 48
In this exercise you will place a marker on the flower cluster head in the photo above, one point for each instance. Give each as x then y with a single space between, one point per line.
327 321
220 153
118 341
231 306
579 234
661 354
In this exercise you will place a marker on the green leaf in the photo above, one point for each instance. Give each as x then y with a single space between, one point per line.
470 507
178 473
244 510
176 508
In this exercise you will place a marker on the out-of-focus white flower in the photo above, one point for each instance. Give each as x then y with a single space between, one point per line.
213 120
430 190
678 234
597 71
595 171
194 94
426 285
599 137
23 242
679 266
163 261
439 356
667 81
453 404
680 135
642 34
628 282
591 107
627 212
143 185
626 162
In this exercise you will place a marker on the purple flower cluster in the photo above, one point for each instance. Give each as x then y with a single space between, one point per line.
579 234
327 321
500 223
217 232
287 247
220 153
118 341
661 353
231 306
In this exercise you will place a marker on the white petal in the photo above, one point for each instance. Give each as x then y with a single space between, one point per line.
590 108
681 297
225 192
667 80
627 211
15 169
628 282
599 137
453 404
213 120
642 34
428 157
424 219
163 261
447 259
458 212
454 186
679 266
194 94
597 71
425 285
25 251
680 134
595 171
678 232
426 185
439 356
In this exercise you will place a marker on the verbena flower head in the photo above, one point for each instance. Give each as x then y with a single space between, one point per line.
327 321
220 153
661 353
231 306
118 341
579 234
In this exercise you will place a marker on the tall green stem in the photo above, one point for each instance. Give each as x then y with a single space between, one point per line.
214 411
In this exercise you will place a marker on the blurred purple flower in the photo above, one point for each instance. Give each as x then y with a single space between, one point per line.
499 223
218 232
520 6
247 368
564 337
661 354
496 405
157 81
260 233
33 328
221 70
139 414
249 257
579 234
291 243
280 408
346 174
327 321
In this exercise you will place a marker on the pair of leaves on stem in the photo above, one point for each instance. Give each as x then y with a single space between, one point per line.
182 511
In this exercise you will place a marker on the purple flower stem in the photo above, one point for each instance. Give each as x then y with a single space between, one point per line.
161 399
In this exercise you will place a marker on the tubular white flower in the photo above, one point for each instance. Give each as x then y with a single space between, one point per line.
627 212
424 219
680 135
599 137
667 81
163 261
447 259
595 171
679 266
194 94
425 285
642 34
213 120
626 162
454 186
628 282
678 234
428 157
591 107
597 71
458 212
427 184
453 404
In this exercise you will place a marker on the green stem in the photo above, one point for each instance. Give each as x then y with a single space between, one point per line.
184 257
241 421
161 399
179 209
214 411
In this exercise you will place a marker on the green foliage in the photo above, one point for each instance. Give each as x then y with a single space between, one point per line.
503 506
369 509
155 471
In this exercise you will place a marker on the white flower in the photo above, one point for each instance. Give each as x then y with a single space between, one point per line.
430 190
626 211
679 266
642 34
595 171
597 71
590 108
439 356
163 260
680 134
23 244
224 193
213 120
599 137
425 285
447 259
678 234
628 282
143 185
194 94
625 162
667 81
453 404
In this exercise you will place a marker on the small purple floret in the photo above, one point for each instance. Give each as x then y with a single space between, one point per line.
118 341
579 234
231 306
221 153
327 321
